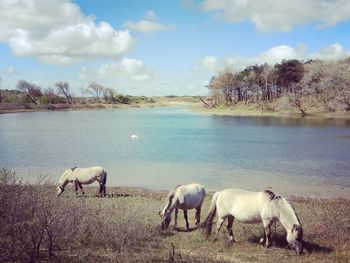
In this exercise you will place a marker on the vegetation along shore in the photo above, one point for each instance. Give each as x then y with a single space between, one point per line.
36 225
290 88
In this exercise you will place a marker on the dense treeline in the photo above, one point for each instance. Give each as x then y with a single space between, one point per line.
60 93
325 85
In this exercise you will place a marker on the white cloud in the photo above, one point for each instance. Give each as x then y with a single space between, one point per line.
56 32
332 52
282 15
272 56
148 25
132 76
151 15
125 70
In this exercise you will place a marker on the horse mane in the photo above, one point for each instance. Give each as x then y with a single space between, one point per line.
271 195
171 196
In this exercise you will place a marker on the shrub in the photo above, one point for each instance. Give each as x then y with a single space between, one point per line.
36 224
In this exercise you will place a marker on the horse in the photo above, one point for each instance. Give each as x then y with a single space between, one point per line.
183 197
255 207
80 176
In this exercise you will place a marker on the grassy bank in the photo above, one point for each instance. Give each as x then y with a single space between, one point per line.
151 102
277 108
125 227
274 109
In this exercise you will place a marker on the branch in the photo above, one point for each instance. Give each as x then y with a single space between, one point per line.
206 104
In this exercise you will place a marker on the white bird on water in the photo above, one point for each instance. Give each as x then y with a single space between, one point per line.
134 136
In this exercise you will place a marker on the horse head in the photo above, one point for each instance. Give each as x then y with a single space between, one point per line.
59 189
295 238
63 182
166 219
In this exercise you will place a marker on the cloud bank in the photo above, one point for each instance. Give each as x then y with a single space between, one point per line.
149 24
281 15
274 55
57 32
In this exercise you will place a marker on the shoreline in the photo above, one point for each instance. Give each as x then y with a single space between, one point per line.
244 111
195 106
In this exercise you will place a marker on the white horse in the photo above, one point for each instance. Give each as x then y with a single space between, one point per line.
183 197
255 207
80 176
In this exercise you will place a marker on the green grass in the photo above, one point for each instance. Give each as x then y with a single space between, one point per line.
125 227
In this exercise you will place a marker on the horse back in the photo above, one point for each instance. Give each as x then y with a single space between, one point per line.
244 205
89 175
190 196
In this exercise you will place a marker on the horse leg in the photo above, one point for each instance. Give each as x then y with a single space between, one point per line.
81 188
218 227
186 219
76 188
198 215
230 220
104 190
175 218
100 190
267 228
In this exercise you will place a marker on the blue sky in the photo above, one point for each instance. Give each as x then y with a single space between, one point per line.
160 47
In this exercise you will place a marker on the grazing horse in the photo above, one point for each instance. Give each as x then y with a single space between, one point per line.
80 176
255 207
183 197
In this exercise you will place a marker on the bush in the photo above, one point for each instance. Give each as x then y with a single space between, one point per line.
36 224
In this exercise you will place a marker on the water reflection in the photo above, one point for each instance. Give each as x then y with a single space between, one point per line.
308 121
177 146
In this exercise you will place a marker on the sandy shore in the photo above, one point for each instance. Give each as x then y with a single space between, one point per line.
242 110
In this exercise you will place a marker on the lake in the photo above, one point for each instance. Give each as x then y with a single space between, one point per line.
291 155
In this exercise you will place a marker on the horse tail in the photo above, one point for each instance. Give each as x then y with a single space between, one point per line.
103 181
208 222
104 177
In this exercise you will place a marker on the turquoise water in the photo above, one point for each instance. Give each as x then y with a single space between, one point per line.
175 146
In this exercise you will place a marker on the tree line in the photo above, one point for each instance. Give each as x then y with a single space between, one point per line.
60 93
326 84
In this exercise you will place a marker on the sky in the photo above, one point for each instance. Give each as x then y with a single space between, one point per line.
161 47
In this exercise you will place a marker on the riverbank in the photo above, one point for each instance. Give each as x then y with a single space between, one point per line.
125 227
153 102
274 109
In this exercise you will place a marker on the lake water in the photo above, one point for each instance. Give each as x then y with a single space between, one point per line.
175 145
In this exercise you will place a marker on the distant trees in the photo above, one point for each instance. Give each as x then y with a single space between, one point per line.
63 89
31 90
0 89
327 82
96 90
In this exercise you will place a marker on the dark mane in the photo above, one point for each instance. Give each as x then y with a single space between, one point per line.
170 200
177 187
272 195
171 196
73 168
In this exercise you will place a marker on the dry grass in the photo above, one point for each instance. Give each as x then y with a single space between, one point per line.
35 225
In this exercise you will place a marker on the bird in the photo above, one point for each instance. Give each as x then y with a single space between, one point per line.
134 136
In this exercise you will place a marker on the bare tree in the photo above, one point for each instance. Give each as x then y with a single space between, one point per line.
63 88
31 90
109 95
51 95
0 89
96 90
